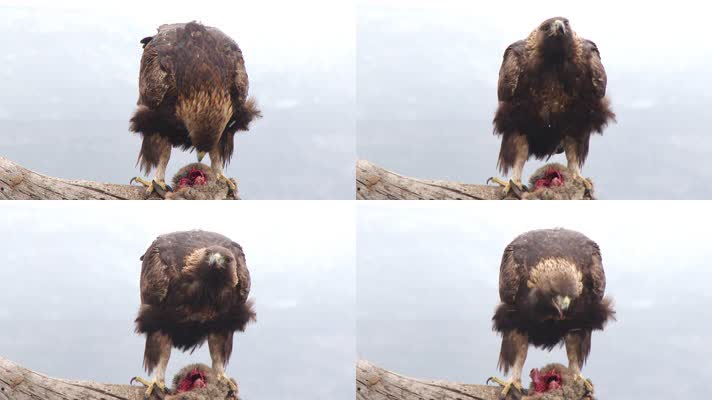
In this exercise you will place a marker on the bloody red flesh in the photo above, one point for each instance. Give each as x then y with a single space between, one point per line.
195 379
545 382
552 178
195 177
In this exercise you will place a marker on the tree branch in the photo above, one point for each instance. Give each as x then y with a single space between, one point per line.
19 183
376 183
19 383
375 383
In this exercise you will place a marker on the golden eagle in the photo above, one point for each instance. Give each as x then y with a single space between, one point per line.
192 94
551 284
552 97
194 287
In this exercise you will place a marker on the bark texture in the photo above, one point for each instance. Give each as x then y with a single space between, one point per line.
375 383
19 183
376 183
18 383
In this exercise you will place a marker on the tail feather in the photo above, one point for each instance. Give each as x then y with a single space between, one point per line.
249 112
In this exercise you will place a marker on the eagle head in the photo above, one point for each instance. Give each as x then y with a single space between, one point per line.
214 263
219 258
556 283
555 36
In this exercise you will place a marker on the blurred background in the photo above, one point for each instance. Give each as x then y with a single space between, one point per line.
427 90
70 292
69 75
427 278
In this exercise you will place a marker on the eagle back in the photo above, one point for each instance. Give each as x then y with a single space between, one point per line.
165 260
532 248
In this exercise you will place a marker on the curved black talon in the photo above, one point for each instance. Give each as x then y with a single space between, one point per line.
518 191
159 189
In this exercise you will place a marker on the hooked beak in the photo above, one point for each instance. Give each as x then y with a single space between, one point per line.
558 28
216 260
558 309
201 155
562 304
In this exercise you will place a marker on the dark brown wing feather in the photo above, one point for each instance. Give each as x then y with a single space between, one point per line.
164 260
594 276
528 249
510 70
598 73
156 273
243 274
511 276
155 80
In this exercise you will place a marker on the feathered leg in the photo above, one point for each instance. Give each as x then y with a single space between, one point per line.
220 346
155 153
216 163
578 345
575 155
513 354
514 153
155 356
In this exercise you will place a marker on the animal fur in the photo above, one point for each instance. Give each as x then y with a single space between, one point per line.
571 388
212 190
536 267
185 298
215 390
549 91
193 93
572 189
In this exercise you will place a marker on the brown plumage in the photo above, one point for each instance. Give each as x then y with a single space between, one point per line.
194 288
551 287
193 94
552 97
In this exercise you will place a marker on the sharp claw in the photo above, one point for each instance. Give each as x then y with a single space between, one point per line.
509 186
139 180
161 188
228 182
150 387
506 387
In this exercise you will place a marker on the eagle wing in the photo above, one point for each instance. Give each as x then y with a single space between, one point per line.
599 79
157 271
511 276
596 277
234 70
510 70
156 78
243 274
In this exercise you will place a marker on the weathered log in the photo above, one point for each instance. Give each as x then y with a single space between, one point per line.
19 183
375 383
19 383
376 183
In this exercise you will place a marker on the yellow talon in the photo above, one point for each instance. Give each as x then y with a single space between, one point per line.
140 180
150 386
230 382
507 185
228 181
506 386
149 185
587 383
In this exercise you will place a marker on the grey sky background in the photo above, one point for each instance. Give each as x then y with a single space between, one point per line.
427 76
69 293
427 281
70 84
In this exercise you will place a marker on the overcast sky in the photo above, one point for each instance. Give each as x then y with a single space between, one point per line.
427 282
427 76
70 291
70 84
